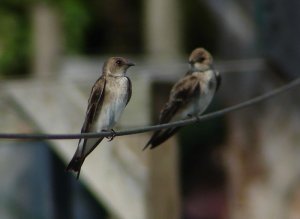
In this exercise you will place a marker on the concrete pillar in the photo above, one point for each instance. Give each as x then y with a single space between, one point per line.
162 32
47 40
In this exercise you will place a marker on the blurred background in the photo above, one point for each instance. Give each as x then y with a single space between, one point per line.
242 165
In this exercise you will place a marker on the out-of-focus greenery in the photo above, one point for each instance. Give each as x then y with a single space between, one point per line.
16 32
14 41
75 19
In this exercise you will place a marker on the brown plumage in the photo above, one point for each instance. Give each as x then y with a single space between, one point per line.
109 96
190 96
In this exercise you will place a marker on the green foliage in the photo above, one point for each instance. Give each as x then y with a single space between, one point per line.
15 31
75 19
14 42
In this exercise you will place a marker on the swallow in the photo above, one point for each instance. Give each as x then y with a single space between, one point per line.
108 98
190 96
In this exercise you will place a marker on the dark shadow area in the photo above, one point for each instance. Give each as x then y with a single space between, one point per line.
70 197
203 177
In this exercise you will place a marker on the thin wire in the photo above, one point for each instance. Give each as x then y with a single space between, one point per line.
180 123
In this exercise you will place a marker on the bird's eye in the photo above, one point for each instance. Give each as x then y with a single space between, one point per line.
201 59
118 62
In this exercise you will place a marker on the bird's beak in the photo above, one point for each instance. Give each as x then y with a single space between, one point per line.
130 64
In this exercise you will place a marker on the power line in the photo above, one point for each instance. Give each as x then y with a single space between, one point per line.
132 131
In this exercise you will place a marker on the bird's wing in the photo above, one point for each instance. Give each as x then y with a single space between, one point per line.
181 95
219 80
95 102
129 90
86 146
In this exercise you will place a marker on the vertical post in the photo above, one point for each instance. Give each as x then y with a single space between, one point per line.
162 28
47 40
163 41
163 193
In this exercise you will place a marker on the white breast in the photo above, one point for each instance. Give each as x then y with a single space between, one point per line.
208 87
114 103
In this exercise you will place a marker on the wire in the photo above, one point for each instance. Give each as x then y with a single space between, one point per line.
180 123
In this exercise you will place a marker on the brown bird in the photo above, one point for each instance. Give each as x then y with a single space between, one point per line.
190 96
109 97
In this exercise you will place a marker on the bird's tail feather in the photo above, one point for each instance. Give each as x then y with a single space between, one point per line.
160 136
75 164
85 147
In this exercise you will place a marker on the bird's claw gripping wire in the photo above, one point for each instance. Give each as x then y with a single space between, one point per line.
112 135
190 116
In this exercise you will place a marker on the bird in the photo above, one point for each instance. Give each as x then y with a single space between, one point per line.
190 96
108 98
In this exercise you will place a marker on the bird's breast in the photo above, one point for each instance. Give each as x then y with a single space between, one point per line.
208 85
115 99
207 82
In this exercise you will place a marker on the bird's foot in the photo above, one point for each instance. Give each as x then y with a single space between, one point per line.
190 116
194 116
112 135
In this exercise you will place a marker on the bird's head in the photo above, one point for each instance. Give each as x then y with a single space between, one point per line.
116 66
200 60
